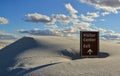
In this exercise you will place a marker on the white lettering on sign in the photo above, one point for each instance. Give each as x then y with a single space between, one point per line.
86 45
89 51
88 39
89 35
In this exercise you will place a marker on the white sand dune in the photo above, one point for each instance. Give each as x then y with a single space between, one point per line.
57 56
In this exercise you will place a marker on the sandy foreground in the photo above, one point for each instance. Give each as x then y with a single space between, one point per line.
57 56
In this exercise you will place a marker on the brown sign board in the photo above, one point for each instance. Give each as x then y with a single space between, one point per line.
89 43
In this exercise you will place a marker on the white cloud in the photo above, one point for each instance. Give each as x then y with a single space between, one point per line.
36 31
106 34
75 29
84 24
77 26
102 30
89 17
105 13
70 8
93 15
7 36
107 5
22 31
3 20
52 27
72 11
36 17
68 31
111 36
86 18
74 16
62 18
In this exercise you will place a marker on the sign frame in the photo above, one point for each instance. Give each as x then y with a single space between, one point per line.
81 49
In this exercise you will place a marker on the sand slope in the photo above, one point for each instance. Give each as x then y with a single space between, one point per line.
57 56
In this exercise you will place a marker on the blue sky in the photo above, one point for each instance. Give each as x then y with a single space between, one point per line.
90 13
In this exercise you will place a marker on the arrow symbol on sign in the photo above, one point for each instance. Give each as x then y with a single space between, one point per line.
89 51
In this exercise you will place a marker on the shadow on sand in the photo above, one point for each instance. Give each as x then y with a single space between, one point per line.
23 72
75 55
103 55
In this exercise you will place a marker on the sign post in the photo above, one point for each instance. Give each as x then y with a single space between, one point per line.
89 43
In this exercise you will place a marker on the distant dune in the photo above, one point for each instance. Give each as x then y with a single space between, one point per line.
4 43
57 56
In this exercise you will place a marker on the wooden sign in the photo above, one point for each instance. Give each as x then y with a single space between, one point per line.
89 43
